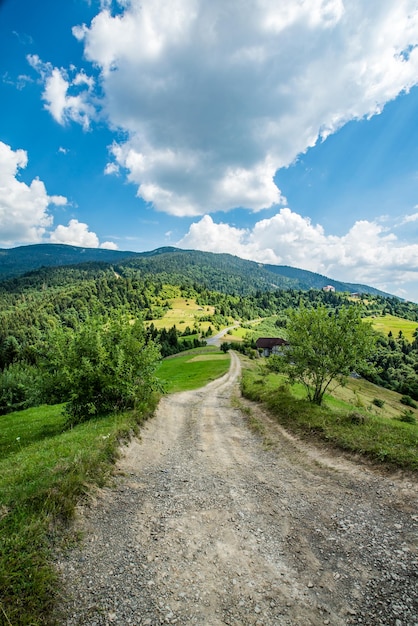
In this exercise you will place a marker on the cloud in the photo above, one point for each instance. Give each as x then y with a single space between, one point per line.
24 214
68 95
24 217
368 253
410 218
23 38
78 234
215 97
20 82
111 168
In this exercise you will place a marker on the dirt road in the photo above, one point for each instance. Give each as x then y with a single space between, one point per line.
207 525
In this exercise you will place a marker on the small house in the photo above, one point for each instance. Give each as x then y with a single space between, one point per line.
271 345
329 288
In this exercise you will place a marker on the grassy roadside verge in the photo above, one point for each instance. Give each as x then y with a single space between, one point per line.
43 473
45 470
338 423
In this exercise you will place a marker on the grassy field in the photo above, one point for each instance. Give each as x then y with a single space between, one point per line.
235 334
352 424
184 312
266 327
388 323
45 470
192 369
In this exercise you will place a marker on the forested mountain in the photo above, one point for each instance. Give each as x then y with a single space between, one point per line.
18 261
311 280
48 309
220 272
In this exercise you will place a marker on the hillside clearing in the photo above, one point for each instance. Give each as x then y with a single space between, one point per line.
184 312
391 323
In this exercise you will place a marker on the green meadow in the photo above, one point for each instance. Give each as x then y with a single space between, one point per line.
192 369
183 312
390 323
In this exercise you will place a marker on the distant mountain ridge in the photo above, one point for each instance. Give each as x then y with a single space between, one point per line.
221 272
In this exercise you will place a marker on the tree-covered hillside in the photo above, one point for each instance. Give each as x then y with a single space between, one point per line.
18 261
221 272
38 306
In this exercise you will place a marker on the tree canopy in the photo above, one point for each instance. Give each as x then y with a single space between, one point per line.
105 366
326 346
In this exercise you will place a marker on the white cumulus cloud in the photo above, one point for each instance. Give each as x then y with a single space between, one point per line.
68 95
368 253
24 209
78 234
216 96
24 216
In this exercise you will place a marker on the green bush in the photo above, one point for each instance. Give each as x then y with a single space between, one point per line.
408 417
408 401
356 418
111 369
276 363
102 367
378 402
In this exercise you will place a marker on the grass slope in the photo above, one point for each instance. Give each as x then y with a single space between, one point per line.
183 312
344 425
43 472
387 323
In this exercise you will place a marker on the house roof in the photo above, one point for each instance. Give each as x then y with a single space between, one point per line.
270 342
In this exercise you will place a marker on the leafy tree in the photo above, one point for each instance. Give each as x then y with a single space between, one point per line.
9 351
106 366
326 346
19 384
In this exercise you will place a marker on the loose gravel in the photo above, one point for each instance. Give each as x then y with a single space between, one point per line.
208 523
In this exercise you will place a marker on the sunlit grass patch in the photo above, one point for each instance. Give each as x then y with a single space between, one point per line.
342 424
20 429
191 371
183 312
209 357
387 323
361 393
236 334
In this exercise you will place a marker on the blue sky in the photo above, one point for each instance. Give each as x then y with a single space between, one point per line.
282 134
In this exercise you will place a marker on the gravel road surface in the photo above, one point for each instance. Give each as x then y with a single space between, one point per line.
208 523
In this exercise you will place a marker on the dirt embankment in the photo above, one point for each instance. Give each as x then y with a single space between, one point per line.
206 526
